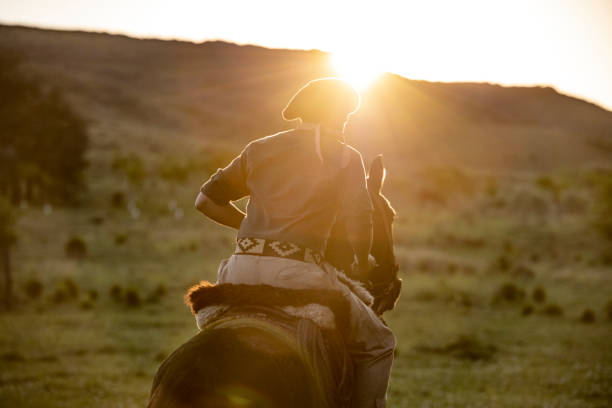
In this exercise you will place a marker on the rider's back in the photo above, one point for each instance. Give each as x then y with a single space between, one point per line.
295 196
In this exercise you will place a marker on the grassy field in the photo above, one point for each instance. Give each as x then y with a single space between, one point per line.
507 296
462 340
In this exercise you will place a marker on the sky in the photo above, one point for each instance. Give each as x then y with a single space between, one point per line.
566 44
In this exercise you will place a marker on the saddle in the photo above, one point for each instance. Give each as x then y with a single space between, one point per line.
317 320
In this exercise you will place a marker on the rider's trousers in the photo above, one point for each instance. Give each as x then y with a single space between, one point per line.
371 344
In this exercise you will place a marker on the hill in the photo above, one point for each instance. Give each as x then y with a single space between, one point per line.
145 94
506 294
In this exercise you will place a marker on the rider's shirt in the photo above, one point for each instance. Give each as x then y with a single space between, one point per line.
294 195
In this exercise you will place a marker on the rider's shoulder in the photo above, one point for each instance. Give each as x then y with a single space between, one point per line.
275 138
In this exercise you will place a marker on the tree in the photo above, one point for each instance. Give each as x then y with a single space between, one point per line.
8 237
43 141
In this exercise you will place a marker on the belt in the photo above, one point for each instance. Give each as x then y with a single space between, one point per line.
279 249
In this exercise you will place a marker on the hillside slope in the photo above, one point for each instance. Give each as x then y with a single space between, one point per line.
155 95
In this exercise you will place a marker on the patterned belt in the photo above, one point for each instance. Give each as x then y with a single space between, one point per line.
280 249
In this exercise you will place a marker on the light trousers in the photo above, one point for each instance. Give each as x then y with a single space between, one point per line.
371 343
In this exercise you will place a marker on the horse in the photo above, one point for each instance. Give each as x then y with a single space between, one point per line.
262 346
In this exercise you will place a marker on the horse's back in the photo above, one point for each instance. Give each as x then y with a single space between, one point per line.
256 357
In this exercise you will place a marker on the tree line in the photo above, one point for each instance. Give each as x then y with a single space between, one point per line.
43 141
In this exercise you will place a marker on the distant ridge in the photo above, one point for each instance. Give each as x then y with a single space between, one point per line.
212 42
171 94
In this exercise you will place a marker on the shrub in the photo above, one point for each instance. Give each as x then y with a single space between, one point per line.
59 295
157 294
503 263
120 239
606 259
12 356
97 220
72 289
608 310
587 316
160 290
86 304
93 294
539 294
553 310
132 298
116 293
75 248
464 299
118 199
527 310
33 288
464 347
508 292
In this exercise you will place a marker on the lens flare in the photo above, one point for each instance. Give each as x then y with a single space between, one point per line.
360 70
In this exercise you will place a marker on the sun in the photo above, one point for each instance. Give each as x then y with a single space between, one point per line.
360 70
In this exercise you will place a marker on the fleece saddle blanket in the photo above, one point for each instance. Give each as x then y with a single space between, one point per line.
328 309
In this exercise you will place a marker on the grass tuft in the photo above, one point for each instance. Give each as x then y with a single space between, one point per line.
116 293
75 248
587 316
608 310
132 298
539 294
465 347
33 288
508 293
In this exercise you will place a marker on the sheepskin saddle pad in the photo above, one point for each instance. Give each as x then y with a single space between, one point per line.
328 309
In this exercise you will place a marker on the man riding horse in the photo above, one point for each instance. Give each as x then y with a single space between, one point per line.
299 182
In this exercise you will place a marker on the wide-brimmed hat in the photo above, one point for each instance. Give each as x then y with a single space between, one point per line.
322 99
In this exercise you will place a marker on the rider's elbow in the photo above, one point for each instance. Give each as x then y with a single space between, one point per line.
200 202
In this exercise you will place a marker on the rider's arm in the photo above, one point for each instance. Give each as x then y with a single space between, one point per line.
228 215
226 185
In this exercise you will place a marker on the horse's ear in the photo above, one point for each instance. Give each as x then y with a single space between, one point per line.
376 175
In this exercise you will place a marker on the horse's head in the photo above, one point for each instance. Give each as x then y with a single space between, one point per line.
384 283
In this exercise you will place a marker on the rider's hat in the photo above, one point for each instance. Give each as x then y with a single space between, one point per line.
322 99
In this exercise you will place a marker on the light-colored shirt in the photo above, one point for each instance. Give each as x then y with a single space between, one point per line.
295 194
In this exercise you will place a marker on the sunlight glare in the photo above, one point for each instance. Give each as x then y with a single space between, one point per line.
358 70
